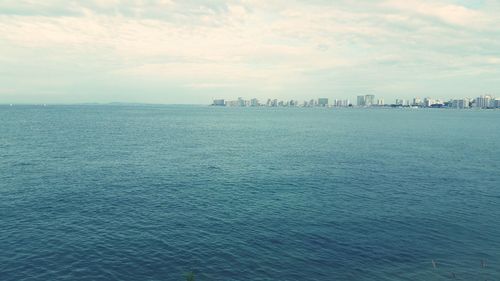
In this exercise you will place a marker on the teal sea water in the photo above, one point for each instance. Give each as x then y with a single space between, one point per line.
152 192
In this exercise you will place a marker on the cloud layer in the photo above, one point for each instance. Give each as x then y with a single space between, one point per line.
189 51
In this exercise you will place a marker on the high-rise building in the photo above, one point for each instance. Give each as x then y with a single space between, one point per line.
380 102
233 103
417 102
219 102
369 100
323 102
341 103
460 103
254 102
241 101
361 101
496 103
483 101
428 102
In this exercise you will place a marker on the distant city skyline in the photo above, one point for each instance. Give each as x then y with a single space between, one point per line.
192 51
366 101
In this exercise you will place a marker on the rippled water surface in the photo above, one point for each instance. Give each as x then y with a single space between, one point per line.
152 192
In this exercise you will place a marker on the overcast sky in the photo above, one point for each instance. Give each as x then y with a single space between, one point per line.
190 51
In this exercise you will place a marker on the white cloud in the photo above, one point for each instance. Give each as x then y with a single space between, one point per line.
250 44
447 13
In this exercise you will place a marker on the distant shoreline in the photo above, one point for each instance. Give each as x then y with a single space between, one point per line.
387 107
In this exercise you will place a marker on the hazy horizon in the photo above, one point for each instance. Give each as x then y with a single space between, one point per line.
189 52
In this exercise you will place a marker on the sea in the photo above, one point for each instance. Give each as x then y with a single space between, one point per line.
154 192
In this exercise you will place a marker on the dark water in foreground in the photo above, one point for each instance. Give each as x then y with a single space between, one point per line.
149 193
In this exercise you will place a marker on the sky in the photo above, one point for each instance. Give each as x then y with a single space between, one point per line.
191 51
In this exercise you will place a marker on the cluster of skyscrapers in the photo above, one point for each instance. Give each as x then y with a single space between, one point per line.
485 101
369 100
240 102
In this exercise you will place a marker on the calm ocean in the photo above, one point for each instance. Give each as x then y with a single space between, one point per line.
153 192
